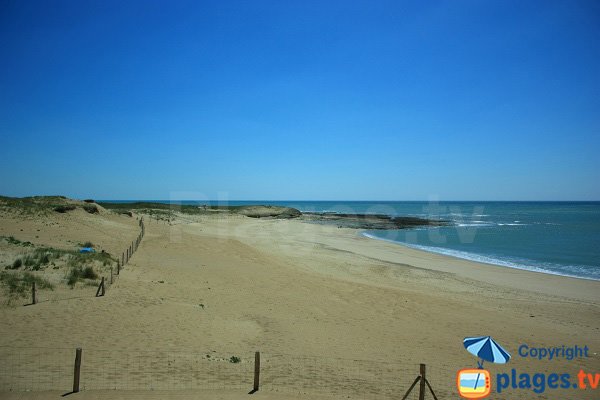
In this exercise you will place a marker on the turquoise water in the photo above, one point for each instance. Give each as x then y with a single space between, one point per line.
554 237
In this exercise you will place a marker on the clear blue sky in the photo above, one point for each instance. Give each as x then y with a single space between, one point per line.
484 100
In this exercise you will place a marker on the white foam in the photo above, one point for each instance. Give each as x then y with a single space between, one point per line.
477 224
510 224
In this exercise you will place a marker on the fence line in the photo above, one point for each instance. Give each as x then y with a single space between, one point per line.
24 369
107 278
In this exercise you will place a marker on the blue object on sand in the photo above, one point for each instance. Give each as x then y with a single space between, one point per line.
87 250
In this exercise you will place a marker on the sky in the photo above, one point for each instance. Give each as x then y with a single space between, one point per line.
306 100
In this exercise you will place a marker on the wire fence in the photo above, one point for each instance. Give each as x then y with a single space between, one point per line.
35 369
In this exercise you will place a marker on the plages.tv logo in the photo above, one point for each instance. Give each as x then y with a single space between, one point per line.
476 383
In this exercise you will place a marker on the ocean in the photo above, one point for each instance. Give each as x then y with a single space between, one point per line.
561 238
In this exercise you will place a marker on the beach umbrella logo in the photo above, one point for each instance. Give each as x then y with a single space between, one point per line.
475 383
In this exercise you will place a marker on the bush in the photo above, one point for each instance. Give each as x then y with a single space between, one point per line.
29 261
17 264
89 273
73 277
92 209
78 273
235 359
64 209
88 244
45 259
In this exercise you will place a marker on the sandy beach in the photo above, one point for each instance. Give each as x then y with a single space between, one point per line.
314 299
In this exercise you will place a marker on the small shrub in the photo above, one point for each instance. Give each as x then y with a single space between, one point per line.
17 264
89 273
91 208
29 261
64 209
78 273
73 277
87 244
12 240
235 359
45 259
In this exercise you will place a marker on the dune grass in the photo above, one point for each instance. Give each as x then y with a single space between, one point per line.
19 284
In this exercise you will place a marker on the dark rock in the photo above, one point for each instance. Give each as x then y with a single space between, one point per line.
269 212
370 221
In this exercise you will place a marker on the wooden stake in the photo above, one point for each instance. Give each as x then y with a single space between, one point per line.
256 371
118 267
77 370
111 275
431 389
422 371
100 291
33 293
418 378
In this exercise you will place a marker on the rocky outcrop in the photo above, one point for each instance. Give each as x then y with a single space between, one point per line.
269 212
370 221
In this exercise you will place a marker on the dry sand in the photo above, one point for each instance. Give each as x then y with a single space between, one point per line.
312 298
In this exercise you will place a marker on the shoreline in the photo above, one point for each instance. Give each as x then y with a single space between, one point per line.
495 264
381 220
299 242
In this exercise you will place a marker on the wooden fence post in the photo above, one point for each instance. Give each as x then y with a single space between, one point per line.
77 370
422 371
118 267
100 291
256 371
111 275
33 293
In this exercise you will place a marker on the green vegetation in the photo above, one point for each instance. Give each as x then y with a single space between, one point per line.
80 273
16 242
80 265
38 259
32 205
162 209
64 208
91 208
235 359
19 284
17 264
37 205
